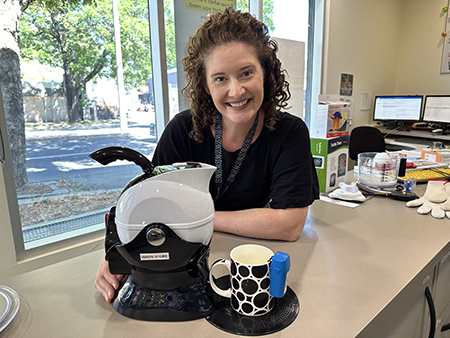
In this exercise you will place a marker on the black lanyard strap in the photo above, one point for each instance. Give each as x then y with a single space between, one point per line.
218 156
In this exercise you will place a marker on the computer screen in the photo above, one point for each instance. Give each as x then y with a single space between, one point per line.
397 108
437 109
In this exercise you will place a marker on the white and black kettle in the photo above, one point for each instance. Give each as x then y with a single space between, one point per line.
159 234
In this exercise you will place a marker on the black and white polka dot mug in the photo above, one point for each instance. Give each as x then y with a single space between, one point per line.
250 279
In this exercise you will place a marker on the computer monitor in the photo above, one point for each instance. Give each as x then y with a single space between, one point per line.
437 109
398 108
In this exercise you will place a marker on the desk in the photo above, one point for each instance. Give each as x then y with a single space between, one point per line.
392 136
349 269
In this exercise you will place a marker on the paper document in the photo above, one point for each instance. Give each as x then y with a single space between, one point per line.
339 202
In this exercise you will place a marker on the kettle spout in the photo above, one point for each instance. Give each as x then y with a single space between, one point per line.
197 176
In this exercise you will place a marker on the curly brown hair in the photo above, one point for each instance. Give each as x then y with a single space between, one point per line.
219 29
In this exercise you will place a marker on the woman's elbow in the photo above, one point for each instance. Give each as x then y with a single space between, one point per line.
294 233
295 225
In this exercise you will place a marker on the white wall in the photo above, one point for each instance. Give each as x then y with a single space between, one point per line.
390 46
363 41
420 48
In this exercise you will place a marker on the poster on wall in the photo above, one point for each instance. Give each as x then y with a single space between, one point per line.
445 68
346 84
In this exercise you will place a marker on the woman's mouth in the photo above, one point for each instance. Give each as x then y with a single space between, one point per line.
238 104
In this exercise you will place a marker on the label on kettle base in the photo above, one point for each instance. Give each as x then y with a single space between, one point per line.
159 256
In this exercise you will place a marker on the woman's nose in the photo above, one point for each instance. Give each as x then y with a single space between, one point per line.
235 88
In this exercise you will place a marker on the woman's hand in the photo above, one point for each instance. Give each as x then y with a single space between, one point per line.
107 283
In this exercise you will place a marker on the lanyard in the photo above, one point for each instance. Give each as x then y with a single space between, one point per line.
218 156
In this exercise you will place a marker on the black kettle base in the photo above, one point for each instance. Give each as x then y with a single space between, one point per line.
284 312
180 304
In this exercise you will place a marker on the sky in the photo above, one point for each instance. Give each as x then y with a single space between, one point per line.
287 14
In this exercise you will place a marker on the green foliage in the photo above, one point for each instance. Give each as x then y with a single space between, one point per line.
170 35
79 37
54 4
268 11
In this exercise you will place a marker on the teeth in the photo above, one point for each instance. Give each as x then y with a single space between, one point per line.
240 104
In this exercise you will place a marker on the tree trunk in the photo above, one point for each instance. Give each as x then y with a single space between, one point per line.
11 83
73 98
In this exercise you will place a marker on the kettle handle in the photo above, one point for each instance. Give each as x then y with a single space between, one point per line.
110 154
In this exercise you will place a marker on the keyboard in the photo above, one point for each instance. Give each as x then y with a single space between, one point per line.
419 140
422 176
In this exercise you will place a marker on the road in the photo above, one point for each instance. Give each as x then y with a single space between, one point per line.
64 159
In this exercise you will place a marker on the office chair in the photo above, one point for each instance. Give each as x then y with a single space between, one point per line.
365 139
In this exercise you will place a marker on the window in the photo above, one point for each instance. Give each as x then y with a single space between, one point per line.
76 101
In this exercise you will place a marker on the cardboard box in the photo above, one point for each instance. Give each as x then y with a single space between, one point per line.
436 155
331 120
330 159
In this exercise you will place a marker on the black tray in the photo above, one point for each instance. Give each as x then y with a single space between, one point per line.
284 312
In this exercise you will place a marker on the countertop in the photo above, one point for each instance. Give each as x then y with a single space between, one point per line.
348 267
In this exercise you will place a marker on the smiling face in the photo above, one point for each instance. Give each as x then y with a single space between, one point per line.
235 81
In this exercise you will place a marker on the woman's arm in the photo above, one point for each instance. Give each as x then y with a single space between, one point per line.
265 223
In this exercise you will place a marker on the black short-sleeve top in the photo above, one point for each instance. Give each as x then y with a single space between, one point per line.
278 168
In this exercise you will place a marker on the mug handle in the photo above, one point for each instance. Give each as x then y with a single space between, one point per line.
219 291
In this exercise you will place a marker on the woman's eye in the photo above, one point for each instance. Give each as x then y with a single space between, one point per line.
220 79
247 73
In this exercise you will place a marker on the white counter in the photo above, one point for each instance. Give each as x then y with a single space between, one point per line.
349 267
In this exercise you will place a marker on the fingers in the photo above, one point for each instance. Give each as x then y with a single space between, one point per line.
424 209
107 283
437 212
416 202
435 209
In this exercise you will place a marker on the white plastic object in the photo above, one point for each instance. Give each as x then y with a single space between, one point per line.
350 188
9 305
347 192
179 199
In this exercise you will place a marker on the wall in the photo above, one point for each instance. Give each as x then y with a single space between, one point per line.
55 109
420 48
363 41
7 252
390 46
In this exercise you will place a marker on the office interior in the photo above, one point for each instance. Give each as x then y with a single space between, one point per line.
390 46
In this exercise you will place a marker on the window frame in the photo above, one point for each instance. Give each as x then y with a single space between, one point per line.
162 109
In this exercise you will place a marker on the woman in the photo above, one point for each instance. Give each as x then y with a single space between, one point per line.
265 179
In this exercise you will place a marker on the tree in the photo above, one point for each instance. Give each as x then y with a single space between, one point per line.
76 27
268 11
80 40
170 35
10 80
